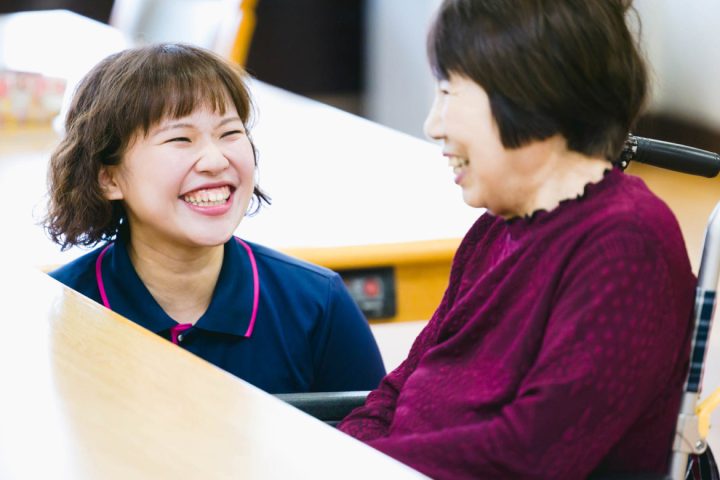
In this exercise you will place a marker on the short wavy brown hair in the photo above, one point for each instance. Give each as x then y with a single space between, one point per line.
124 95
548 66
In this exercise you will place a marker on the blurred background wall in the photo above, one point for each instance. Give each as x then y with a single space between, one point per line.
682 44
393 85
680 39
95 9
368 56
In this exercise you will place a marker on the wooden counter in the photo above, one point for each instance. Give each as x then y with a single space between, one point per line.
88 394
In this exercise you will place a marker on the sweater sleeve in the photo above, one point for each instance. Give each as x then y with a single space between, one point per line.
373 419
612 342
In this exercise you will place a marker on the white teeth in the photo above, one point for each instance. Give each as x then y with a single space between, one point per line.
457 162
208 197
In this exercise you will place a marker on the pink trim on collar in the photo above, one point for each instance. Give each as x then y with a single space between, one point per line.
98 277
256 286
177 330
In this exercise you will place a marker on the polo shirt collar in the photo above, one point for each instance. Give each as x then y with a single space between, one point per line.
231 306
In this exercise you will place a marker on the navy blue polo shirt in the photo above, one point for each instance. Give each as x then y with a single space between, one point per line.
308 335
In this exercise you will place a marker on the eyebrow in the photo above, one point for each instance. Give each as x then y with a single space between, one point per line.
190 125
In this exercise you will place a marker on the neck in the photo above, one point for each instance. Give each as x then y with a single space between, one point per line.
553 174
182 281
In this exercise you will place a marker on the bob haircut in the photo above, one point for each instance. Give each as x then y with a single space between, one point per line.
123 96
548 66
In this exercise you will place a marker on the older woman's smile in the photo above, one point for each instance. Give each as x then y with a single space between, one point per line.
457 162
458 165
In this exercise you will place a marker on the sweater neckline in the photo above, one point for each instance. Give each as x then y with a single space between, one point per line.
591 189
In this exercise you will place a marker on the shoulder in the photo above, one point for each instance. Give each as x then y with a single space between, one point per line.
485 230
630 193
629 223
632 209
619 206
294 281
308 290
79 274
285 264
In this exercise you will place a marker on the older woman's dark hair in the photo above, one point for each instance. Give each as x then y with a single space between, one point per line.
125 95
548 66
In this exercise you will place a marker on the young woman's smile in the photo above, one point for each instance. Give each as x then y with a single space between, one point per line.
210 200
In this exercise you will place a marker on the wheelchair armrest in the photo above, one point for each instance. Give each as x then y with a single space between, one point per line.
330 407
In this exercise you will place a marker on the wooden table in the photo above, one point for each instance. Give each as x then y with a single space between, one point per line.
89 394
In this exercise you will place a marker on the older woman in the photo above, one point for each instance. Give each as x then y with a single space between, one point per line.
560 345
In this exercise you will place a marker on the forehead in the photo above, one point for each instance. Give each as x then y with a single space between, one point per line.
173 113
178 100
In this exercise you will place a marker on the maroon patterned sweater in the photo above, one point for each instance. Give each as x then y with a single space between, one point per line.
559 348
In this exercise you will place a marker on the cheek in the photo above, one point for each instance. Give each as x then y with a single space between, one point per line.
245 158
249 159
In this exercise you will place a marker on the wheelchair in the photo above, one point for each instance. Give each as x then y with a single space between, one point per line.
691 458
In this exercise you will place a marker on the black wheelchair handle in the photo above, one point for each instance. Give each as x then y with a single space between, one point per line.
672 156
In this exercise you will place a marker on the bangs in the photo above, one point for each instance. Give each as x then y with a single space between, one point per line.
436 50
179 96
174 80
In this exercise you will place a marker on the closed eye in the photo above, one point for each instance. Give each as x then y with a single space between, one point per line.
232 132
178 139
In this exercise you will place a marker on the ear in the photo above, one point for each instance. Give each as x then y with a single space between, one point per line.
107 178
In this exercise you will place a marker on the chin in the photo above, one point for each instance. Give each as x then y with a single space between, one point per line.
474 202
216 231
210 239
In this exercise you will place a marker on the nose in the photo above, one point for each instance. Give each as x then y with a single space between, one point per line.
433 125
212 160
